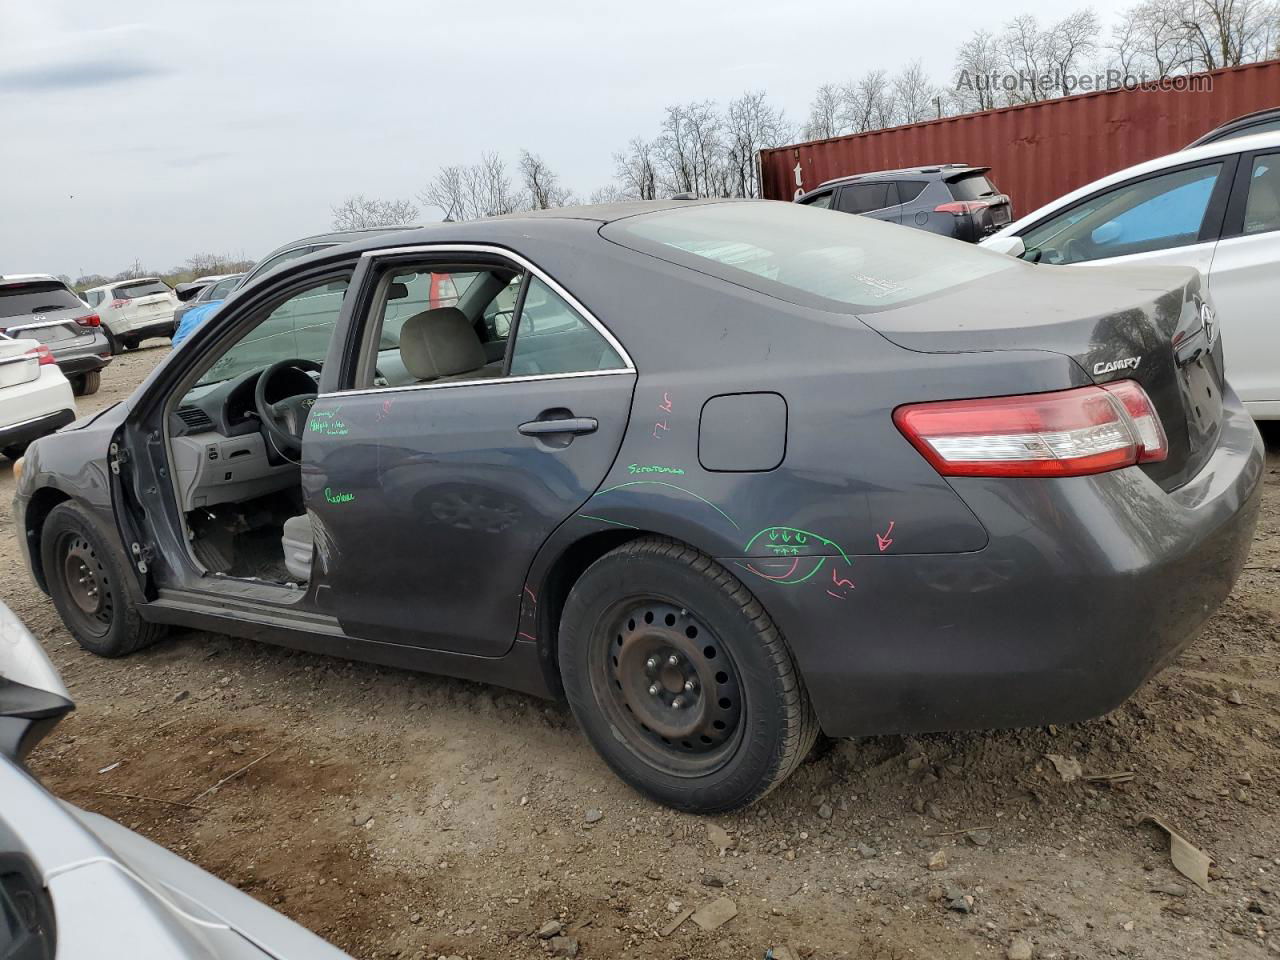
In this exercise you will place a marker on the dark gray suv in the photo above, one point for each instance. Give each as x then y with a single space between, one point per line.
953 199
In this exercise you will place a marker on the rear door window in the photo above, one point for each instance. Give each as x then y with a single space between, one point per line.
141 288
865 197
24 299
552 337
971 186
821 201
1262 206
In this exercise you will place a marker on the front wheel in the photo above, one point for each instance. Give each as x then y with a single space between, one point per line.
86 384
86 579
681 680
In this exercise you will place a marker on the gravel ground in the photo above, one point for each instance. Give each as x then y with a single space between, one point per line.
402 815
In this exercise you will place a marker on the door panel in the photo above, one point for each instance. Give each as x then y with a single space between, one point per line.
430 503
1243 284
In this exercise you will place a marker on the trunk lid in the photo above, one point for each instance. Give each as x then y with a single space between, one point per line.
16 365
1141 323
57 328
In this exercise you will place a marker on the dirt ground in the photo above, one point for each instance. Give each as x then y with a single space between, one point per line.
401 815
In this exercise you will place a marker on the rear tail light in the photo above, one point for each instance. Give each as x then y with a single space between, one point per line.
117 303
961 207
42 355
89 320
1068 433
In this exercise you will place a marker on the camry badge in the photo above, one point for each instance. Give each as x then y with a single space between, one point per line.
1111 366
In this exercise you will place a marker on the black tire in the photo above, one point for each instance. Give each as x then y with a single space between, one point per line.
86 384
112 342
745 723
14 451
86 578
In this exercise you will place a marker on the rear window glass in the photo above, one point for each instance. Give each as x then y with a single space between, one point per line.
908 190
141 288
25 298
793 253
972 186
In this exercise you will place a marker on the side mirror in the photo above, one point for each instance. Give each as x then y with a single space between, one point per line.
1009 245
1109 232
32 696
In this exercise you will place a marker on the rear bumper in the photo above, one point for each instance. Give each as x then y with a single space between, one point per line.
24 432
86 358
1088 587
159 325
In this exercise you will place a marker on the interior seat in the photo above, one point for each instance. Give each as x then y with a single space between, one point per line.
441 344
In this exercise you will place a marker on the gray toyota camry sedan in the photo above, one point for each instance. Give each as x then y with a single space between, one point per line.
723 474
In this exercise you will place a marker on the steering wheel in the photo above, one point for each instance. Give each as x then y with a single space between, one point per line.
284 420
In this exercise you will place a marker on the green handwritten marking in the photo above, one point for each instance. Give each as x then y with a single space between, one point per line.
787 534
616 523
655 468
338 497
663 483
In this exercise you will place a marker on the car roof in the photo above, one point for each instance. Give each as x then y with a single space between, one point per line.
1186 157
1228 130
334 237
938 170
28 277
117 283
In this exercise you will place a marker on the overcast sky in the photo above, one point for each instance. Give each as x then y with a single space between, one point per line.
157 129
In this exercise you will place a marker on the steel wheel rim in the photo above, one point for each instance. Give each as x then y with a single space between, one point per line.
665 679
85 581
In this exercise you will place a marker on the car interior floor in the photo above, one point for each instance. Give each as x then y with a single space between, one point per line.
244 540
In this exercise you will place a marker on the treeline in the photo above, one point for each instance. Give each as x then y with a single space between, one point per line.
199 265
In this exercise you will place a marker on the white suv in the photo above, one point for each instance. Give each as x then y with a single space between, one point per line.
133 310
1216 208
35 397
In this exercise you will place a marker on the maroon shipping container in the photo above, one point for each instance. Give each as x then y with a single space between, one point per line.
1036 152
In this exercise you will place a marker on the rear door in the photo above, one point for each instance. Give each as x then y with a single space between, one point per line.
1244 281
430 497
143 299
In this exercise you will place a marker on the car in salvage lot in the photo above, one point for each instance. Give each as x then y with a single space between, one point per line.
38 306
723 474
134 310
77 885
35 397
953 199
1215 208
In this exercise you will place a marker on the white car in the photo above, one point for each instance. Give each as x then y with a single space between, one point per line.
133 310
35 397
1216 208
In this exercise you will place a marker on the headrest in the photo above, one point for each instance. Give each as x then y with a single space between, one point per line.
440 343
397 291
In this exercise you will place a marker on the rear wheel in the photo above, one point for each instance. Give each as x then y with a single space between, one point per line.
86 384
14 451
112 341
681 680
86 579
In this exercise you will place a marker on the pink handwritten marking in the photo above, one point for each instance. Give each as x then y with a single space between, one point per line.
660 425
841 582
794 563
386 410
836 595
527 637
530 593
665 405
883 542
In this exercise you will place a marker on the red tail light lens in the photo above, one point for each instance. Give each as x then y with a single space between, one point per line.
42 355
117 303
960 207
89 320
1068 433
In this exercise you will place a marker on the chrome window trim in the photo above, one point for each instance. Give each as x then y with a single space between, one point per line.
628 364
480 382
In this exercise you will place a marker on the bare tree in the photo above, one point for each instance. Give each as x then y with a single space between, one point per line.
1067 45
610 194
914 94
690 150
751 124
824 114
1024 54
541 185
479 190
867 103
1149 39
358 212
1226 33
637 171
977 63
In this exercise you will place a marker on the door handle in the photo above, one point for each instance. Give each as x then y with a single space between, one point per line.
574 425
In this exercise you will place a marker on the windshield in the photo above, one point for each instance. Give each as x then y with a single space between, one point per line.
813 257
219 290
21 299
139 288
